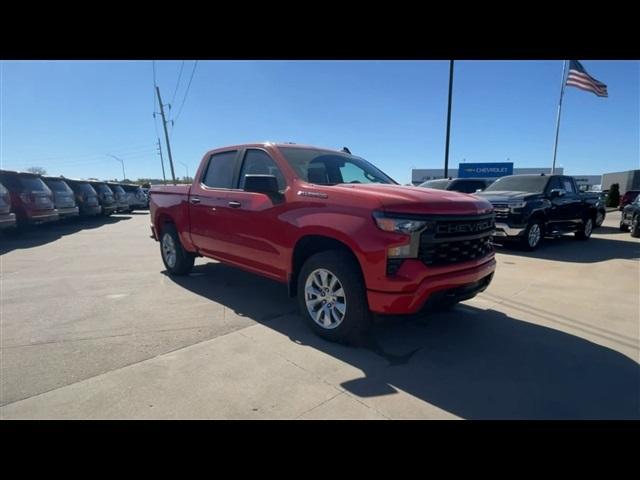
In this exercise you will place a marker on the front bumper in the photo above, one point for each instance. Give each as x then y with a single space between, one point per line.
504 230
8 220
459 285
68 212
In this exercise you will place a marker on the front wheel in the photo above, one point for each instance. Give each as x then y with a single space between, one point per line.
332 297
176 259
585 231
635 226
532 235
600 219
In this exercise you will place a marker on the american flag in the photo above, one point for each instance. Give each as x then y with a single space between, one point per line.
578 77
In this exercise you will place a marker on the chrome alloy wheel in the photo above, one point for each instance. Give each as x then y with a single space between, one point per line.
325 298
534 235
169 250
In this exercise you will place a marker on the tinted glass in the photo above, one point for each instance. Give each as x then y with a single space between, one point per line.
33 184
438 184
555 184
116 189
258 162
517 183
220 170
567 184
58 186
3 191
324 167
101 188
84 188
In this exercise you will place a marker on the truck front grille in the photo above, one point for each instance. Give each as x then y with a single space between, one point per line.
456 240
501 210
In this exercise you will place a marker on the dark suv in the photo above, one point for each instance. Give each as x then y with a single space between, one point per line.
7 217
86 197
530 207
136 197
105 197
31 199
122 203
63 197
628 198
464 185
630 219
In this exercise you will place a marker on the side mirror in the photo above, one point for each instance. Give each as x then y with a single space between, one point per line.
556 192
267 184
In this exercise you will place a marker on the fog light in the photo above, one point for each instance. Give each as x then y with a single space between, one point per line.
395 252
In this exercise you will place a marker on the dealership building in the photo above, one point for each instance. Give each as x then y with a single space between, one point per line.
494 171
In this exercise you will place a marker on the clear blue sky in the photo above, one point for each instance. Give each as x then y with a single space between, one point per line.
66 116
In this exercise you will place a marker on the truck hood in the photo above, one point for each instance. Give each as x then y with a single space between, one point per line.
507 196
419 200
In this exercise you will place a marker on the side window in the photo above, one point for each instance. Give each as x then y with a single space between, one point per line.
567 184
258 162
220 171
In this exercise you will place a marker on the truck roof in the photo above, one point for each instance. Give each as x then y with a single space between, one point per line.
277 145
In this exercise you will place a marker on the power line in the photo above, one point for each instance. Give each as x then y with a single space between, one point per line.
177 83
184 99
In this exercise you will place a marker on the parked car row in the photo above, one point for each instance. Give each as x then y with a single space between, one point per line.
31 199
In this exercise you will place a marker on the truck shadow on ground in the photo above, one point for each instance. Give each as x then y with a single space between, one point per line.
35 236
473 363
568 249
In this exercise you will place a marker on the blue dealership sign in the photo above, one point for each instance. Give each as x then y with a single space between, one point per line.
485 170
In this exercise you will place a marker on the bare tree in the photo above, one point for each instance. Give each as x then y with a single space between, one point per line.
37 170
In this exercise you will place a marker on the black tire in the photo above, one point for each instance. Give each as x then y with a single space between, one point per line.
356 319
527 240
600 216
623 227
183 262
635 226
586 229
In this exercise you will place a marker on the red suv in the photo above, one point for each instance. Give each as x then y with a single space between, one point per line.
31 199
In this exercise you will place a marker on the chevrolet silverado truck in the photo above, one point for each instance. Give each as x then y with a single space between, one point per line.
530 207
345 238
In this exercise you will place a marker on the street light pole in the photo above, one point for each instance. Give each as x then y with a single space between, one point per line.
186 168
122 162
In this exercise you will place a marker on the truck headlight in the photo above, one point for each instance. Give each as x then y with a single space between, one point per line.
398 225
514 206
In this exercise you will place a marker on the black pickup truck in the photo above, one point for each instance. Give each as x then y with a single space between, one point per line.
530 207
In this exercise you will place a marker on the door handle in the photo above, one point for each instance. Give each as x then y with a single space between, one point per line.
194 200
234 204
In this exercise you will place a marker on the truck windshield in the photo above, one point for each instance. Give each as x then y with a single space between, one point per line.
438 184
324 167
518 183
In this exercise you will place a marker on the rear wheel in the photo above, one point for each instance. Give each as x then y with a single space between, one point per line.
623 227
585 230
176 259
635 226
600 218
533 235
332 297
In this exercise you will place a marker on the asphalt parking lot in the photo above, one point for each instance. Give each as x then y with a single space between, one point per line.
91 328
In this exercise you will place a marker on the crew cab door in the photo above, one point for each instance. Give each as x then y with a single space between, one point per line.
255 237
207 196
573 207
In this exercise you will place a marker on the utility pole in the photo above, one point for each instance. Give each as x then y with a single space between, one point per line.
446 150
164 178
166 135
122 162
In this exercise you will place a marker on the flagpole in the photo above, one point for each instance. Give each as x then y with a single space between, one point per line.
555 147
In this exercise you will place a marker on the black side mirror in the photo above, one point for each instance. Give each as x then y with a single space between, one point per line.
267 184
556 192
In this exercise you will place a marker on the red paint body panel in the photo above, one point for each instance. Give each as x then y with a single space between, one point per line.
260 236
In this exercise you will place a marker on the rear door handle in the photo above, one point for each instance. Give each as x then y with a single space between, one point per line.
235 204
194 200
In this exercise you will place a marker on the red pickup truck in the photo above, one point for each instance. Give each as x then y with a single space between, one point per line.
345 238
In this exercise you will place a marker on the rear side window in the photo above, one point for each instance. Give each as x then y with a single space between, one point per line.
221 170
258 162
3 191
